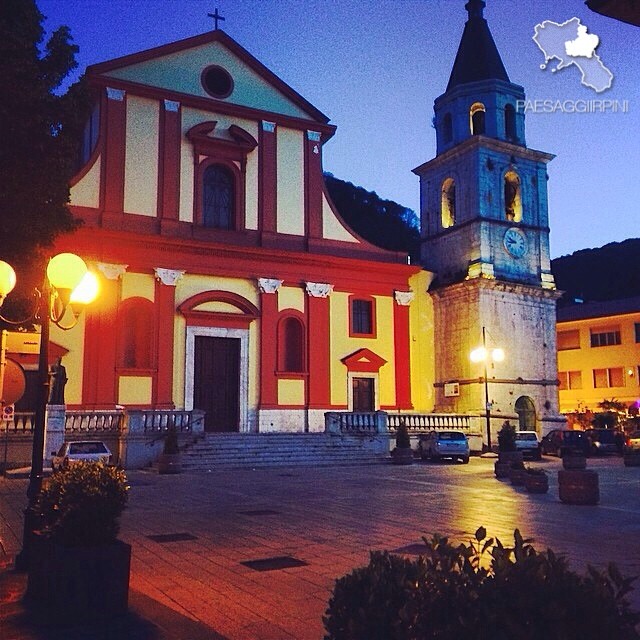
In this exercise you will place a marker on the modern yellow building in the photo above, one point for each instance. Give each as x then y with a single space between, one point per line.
598 354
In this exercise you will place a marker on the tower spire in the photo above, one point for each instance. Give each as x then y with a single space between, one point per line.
475 8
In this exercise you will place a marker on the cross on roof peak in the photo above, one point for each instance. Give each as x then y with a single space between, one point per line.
217 17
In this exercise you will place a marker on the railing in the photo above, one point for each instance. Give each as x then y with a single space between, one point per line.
159 421
424 422
381 422
94 421
22 422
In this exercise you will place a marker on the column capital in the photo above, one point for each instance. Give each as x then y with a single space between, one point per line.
111 271
269 285
269 127
319 289
171 105
169 277
404 298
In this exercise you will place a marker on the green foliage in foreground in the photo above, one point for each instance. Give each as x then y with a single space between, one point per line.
479 591
81 505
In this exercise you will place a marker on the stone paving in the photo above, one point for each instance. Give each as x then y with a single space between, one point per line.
329 518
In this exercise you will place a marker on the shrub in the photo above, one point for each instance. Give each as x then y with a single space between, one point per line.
403 441
535 471
171 441
507 437
453 592
81 504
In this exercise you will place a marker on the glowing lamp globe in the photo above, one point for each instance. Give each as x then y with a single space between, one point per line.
87 291
478 355
7 279
65 271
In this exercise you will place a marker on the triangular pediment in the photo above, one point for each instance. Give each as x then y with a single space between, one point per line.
177 68
363 360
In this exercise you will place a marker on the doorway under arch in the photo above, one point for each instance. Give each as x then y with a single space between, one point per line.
526 411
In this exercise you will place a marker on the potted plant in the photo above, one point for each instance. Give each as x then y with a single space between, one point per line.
507 452
517 472
78 569
170 460
536 480
402 454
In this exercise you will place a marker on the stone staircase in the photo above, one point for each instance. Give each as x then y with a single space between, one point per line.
234 450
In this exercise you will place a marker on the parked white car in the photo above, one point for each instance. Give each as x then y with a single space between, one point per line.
444 444
82 450
529 443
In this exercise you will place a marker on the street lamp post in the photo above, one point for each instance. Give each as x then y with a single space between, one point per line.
481 354
67 284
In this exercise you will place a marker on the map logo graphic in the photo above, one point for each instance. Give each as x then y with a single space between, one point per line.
570 43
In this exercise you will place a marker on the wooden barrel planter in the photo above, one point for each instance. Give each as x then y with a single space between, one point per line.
574 461
536 482
578 486
631 459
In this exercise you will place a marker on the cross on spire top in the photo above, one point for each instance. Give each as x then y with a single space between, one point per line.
216 16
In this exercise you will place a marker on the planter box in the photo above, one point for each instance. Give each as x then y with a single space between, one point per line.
574 461
402 456
501 469
170 463
578 487
536 483
631 459
517 476
78 584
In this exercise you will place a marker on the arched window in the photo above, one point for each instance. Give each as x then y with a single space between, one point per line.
218 197
512 197
291 345
447 128
135 332
510 122
448 203
526 411
476 118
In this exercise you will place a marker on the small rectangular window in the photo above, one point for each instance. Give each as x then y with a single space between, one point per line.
575 379
563 377
362 317
600 379
568 340
605 337
637 328
616 377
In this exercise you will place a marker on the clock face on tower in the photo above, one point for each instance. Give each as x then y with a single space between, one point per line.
515 242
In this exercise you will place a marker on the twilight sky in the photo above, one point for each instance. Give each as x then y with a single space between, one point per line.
375 69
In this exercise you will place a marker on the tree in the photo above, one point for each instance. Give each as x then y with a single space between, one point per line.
384 223
38 133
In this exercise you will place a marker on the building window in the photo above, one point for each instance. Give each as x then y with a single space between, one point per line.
570 380
510 122
606 378
605 337
362 317
447 128
217 82
477 118
575 379
218 197
448 203
512 197
637 328
291 345
568 340
135 332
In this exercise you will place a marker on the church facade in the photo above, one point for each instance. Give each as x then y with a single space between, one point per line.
230 283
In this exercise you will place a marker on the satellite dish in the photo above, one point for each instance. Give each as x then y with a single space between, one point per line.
14 382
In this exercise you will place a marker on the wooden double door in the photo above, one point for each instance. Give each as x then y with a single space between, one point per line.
217 382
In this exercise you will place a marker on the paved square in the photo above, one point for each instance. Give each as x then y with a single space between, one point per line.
329 518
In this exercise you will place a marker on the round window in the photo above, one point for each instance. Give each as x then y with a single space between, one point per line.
217 82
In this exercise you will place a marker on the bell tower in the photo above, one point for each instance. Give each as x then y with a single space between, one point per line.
485 233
